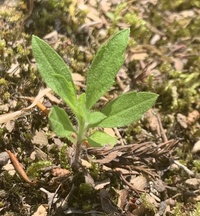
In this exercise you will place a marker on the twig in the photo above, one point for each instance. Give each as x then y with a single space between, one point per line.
163 134
40 105
131 186
119 135
52 197
189 172
30 10
121 85
65 201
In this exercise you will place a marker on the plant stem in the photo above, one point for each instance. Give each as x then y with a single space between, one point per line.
78 145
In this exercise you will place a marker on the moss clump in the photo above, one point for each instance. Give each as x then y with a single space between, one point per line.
48 14
64 162
196 212
84 197
178 209
196 164
35 168
147 204
137 24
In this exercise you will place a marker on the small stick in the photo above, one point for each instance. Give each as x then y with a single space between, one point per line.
19 168
40 105
30 10
119 135
189 172
163 134
137 191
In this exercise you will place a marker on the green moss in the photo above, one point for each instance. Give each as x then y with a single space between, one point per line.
147 204
6 96
35 168
63 157
177 209
137 25
2 46
1 204
84 197
22 51
85 190
180 90
95 171
196 164
196 212
178 5
48 12
3 82
116 15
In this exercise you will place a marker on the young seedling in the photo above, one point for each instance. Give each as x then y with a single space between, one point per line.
119 112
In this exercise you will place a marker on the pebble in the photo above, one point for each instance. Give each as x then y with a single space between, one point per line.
193 183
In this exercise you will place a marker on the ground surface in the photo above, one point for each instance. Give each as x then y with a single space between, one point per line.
154 168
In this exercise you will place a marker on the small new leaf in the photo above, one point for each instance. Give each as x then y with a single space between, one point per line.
90 118
127 108
60 123
83 112
99 139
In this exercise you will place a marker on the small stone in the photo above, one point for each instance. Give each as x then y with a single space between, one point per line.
193 183
196 147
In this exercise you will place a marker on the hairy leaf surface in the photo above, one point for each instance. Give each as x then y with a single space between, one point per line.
99 138
49 64
60 123
127 108
105 66
95 118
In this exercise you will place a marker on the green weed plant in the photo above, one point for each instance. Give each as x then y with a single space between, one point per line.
119 112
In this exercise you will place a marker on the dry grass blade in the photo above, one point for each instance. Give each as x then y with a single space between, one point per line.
11 116
14 115
19 168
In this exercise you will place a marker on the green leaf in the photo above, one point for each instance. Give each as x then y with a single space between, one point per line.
50 64
48 61
99 138
127 108
90 118
82 111
95 118
64 89
105 66
60 123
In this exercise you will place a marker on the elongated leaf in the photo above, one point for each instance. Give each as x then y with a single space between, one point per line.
60 123
105 66
127 108
64 89
50 63
99 138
